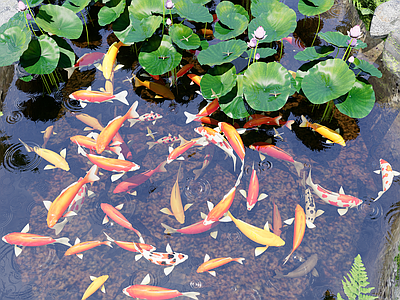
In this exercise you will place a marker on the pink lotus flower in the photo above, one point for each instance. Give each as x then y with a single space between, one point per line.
259 33
168 22
355 32
28 17
257 56
169 4
352 42
351 59
21 6
252 43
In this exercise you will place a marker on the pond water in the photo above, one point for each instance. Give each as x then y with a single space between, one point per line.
45 273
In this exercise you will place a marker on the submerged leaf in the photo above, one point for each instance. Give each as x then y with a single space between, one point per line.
67 55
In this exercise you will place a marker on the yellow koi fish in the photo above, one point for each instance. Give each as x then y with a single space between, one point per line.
98 282
331 135
107 67
157 88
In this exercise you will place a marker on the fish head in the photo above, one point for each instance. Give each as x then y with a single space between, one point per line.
180 257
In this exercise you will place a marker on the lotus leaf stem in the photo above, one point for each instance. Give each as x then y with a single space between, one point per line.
319 23
33 16
87 31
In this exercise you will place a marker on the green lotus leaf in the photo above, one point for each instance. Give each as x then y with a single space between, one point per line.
367 67
327 80
16 20
267 86
13 42
76 5
111 11
184 37
264 52
201 2
193 11
232 104
67 55
218 81
60 21
315 52
359 101
159 56
142 9
41 57
234 19
314 7
339 39
204 45
222 52
278 21
32 3
26 78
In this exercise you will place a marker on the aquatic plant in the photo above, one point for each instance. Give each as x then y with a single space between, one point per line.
355 286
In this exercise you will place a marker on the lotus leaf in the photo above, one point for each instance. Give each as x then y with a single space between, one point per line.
201 2
233 104
32 3
327 80
367 67
76 5
218 81
159 56
314 7
67 55
111 11
222 52
339 39
41 57
315 52
264 52
184 37
142 9
193 11
267 86
13 42
60 21
359 101
233 17
278 21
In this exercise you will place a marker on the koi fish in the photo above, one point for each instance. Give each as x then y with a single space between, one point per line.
233 138
151 117
58 160
217 212
150 292
311 212
277 220
164 140
304 269
24 238
299 229
63 201
387 176
79 247
258 235
114 214
108 66
130 246
89 96
180 73
157 88
90 143
253 196
265 120
107 134
175 153
136 180
205 111
150 133
98 283
177 210
170 258
207 159
331 135
295 42
195 228
47 134
336 199
195 78
84 61
208 264
207 33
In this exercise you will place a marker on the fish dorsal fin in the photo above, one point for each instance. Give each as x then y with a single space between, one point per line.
89 88
47 204
146 280
77 241
289 221
341 191
63 153
214 234
243 193
310 224
169 249
187 206
25 229
17 250
119 207
103 289
203 215
93 278
210 205
206 257
266 226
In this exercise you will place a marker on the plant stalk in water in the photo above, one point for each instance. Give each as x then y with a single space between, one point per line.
315 36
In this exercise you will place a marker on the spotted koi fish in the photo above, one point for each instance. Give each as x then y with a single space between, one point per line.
387 176
164 140
151 117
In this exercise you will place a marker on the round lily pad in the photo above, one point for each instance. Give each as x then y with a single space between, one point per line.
142 9
267 86
359 101
111 11
315 52
234 19
327 80
367 67
233 104
314 7
41 57
60 21
32 3
159 56
184 37
13 42
193 11
339 39
218 81
222 52
76 5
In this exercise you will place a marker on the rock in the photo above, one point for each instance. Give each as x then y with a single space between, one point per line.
7 10
386 19
391 53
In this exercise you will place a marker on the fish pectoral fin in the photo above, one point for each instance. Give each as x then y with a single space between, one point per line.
83 104
92 278
168 270
262 157
203 215
319 212
80 255
260 250
243 193
63 153
310 224
314 272
187 206
342 211
210 205
341 191
213 273
329 142
377 171
105 220
117 67
99 67
225 219
166 211
214 234
87 129
103 289
169 249
395 173
138 256
47 204
262 196
206 258
117 176
146 280
289 221
70 214
49 167
25 229
119 207
266 226
17 250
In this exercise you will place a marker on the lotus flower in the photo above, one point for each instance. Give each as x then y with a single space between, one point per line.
169 4
168 22
355 32
351 59
21 6
352 42
259 33
28 17
252 43
257 56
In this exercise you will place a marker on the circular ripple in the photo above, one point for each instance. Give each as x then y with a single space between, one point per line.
15 117
245 293
72 105
373 210
265 165
5 218
234 236
195 284
17 159
197 189
49 262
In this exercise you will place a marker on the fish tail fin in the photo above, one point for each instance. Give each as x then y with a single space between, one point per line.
108 237
91 175
279 274
132 114
298 166
287 258
64 241
70 70
303 121
189 117
108 243
309 180
239 260
151 144
60 226
192 295
122 97
132 122
197 173
28 148
289 124
161 167
168 229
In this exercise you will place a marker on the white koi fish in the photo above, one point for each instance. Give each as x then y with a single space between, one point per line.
387 176
311 212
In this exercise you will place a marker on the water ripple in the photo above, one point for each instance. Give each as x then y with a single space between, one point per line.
197 189
72 105
242 293
15 161
373 210
14 117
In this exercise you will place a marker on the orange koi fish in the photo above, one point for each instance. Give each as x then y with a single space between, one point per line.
108 65
208 264
98 283
387 176
220 209
24 238
114 214
195 78
47 134
195 228
108 133
63 201
89 96
157 88
331 135
174 153
90 143
253 197
295 42
233 138
299 229
79 247
264 120
177 210
205 111
180 73
207 159
208 33
58 160
277 220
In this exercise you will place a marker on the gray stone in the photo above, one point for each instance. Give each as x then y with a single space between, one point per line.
391 53
386 19
7 10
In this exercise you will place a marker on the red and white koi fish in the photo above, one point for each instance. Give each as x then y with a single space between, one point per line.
136 180
331 135
150 292
206 111
217 212
233 138
90 143
336 199
311 211
175 153
47 134
207 159
208 264
114 214
79 247
264 120
387 176
89 96
151 117
164 140
84 61
98 283
299 229
24 238
108 133
170 258
253 196
130 246
295 42
63 201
